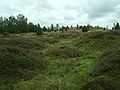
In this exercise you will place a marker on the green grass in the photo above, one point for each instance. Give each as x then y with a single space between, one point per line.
69 60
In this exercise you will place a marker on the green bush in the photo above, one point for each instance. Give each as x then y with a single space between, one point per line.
19 64
6 34
25 42
98 83
39 32
66 53
109 63
85 29
99 40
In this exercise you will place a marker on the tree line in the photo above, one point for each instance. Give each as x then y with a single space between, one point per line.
20 24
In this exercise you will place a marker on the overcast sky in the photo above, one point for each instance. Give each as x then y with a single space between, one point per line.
64 12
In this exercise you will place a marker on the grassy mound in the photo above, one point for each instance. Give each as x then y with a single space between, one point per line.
108 66
19 59
75 61
64 35
24 42
109 63
15 62
99 40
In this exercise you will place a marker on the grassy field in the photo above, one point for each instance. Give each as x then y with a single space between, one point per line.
69 60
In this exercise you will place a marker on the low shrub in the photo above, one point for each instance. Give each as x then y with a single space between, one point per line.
98 40
66 53
98 83
6 34
109 63
39 32
26 43
85 29
20 64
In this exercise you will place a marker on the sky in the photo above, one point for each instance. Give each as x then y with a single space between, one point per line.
64 12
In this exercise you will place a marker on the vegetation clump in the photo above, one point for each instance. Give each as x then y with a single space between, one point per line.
39 31
6 34
109 63
19 63
85 29
99 40
66 53
19 59
98 83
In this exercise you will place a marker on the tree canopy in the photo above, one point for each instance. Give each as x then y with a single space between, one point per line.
17 24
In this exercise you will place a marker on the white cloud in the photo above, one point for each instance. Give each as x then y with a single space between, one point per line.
64 12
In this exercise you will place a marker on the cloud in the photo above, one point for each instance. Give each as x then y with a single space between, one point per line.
64 12
97 9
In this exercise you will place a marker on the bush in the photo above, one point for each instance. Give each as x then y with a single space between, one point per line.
65 53
15 50
26 43
98 83
39 32
85 29
99 40
109 63
17 63
6 34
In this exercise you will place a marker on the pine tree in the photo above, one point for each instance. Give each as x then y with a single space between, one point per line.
57 25
77 26
52 27
39 31
117 26
85 29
